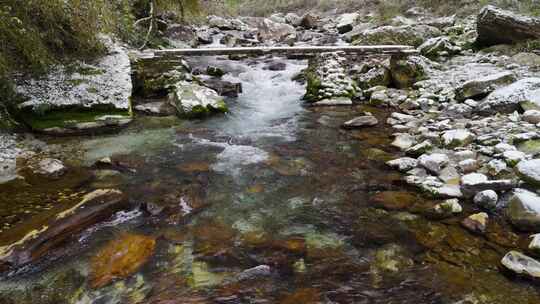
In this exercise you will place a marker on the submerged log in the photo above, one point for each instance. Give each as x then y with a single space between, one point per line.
497 26
95 207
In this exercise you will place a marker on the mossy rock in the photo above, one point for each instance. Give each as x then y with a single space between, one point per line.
192 100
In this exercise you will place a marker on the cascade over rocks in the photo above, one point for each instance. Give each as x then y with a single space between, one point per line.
497 26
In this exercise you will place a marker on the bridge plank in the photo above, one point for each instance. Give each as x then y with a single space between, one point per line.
364 50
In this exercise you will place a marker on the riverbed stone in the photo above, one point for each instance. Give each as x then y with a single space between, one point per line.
403 164
50 168
403 141
529 171
361 122
484 85
413 35
420 148
524 210
457 138
120 258
195 101
448 208
532 116
522 94
434 163
346 22
476 222
521 264
407 71
486 199
438 46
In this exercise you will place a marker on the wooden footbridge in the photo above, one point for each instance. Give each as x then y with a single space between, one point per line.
393 50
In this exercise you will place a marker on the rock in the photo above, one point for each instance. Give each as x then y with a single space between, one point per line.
50 168
378 76
403 164
204 37
357 31
254 273
79 98
486 199
433 162
293 19
407 71
194 101
448 208
404 141
468 165
277 66
346 22
534 246
513 157
339 101
476 222
497 26
215 71
457 138
529 171
361 122
483 86
521 264
532 116
476 182
96 206
442 22
226 24
413 35
524 210
524 93
496 166
223 87
120 258
527 59
436 47
309 21
327 78
182 33
269 30
420 148
158 108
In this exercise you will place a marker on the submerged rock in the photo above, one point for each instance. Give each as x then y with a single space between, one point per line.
476 222
361 122
521 264
194 101
49 167
497 26
120 258
93 208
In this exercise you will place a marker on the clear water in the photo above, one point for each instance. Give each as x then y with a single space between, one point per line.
271 183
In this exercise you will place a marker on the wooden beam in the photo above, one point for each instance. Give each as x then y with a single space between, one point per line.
362 50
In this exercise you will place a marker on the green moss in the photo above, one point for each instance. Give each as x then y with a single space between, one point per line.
66 117
313 85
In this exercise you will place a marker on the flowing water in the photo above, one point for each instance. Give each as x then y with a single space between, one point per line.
271 183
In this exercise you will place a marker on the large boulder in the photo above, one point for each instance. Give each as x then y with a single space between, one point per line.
529 171
524 210
406 71
81 97
195 101
482 86
346 22
522 94
269 30
438 46
413 35
497 26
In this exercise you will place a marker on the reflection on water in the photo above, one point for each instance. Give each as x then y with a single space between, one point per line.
275 184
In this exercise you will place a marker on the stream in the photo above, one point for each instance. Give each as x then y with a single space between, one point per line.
270 203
